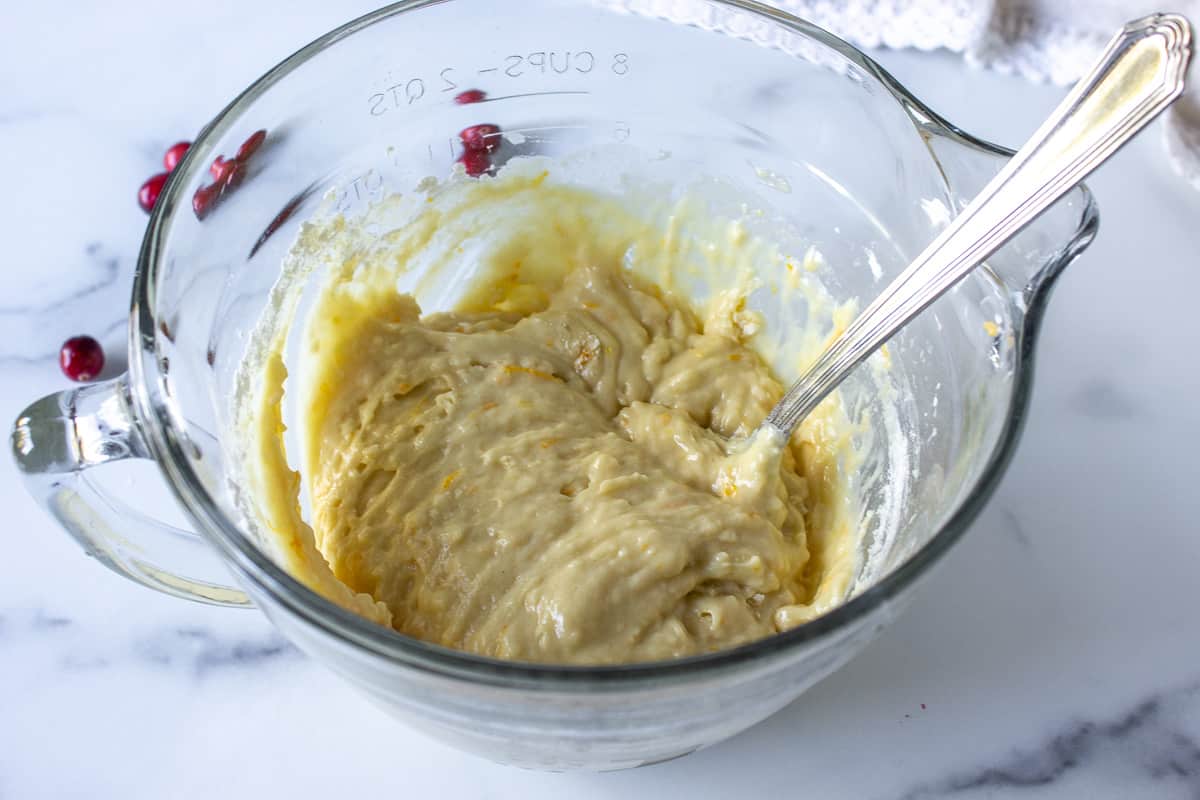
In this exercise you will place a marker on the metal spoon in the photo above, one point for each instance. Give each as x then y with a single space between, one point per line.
1140 74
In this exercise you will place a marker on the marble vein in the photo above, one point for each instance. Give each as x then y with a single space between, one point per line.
203 652
99 259
84 300
1016 527
115 360
193 650
1100 398
20 116
1147 740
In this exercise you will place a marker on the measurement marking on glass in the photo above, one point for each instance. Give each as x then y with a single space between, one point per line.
537 94
417 89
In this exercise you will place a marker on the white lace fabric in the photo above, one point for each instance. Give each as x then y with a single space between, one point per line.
1041 40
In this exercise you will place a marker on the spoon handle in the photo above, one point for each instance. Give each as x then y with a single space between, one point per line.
1140 73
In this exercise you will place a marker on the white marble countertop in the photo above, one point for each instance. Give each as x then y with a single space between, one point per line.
1055 653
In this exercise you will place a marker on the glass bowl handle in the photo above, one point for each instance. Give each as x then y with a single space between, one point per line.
56 439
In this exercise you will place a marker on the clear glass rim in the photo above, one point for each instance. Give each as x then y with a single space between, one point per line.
406 651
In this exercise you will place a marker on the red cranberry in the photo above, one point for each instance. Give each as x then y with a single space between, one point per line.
150 190
205 198
224 170
231 173
81 358
485 137
470 96
280 218
477 162
217 167
227 173
174 154
251 145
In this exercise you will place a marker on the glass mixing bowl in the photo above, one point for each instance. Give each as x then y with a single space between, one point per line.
861 171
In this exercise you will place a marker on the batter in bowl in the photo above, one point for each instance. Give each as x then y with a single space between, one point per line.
555 470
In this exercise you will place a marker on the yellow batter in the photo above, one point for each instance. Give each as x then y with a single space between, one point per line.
556 470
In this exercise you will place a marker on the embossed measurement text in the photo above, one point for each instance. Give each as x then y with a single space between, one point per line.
414 89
